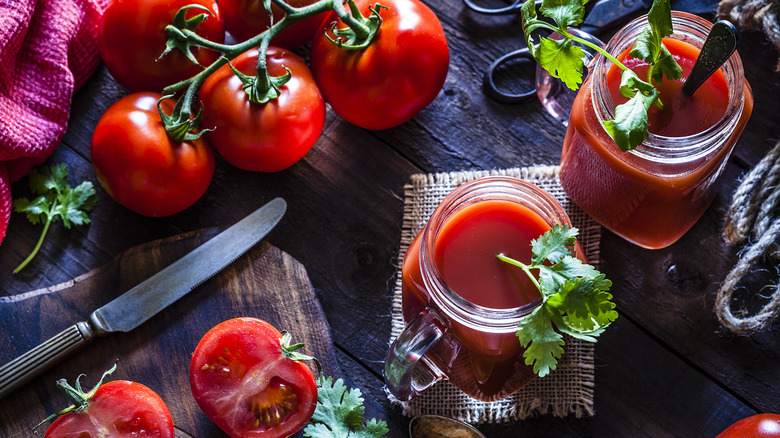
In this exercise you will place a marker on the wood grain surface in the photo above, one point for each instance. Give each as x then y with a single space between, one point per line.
265 283
665 368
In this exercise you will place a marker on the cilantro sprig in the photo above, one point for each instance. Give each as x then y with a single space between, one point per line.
562 58
55 199
575 299
339 413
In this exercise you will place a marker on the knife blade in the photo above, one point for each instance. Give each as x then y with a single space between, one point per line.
609 13
143 301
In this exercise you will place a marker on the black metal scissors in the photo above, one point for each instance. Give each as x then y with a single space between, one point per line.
600 16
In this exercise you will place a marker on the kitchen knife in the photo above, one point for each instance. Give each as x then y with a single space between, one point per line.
608 13
140 303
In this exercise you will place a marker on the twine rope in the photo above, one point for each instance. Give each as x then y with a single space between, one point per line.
763 15
754 215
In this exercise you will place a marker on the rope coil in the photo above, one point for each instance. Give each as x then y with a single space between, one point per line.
754 215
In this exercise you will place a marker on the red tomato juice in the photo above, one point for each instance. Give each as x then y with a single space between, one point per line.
486 365
651 203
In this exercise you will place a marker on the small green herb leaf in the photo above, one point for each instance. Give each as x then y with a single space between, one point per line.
575 300
649 45
544 346
629 127
339 413
56 199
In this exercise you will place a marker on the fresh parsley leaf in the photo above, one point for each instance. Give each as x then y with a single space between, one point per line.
649 45
575 299
55 200
339 413
560 57
629 127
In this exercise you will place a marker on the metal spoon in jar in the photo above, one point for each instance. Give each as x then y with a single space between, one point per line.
719 46
435 426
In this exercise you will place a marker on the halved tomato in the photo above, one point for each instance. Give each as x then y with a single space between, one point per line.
247 381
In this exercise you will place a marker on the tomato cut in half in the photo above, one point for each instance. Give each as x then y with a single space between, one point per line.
242 378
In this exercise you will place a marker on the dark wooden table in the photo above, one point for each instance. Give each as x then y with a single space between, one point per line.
665 368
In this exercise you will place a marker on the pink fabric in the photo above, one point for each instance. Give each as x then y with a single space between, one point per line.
48 49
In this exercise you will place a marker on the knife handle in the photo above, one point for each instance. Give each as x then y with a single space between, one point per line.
32 363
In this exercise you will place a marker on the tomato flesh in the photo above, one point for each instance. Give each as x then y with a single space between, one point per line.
242 381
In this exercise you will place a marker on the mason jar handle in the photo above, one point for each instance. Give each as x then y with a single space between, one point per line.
401 371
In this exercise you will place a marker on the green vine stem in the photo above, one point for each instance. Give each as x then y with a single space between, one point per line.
363 30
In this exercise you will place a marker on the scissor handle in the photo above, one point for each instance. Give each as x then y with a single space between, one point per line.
489 84
511 9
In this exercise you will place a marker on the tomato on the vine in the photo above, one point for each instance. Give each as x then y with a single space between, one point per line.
755 426
131 36
245 19
264 137
117 409
140 166
243 378
387 83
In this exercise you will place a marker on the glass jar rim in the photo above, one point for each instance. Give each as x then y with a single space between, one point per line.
483 318
664 149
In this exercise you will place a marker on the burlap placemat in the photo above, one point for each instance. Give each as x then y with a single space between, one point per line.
566 391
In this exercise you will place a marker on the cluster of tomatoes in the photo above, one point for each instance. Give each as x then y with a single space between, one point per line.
241 377
377 87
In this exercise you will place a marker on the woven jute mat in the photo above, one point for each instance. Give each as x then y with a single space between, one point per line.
566 391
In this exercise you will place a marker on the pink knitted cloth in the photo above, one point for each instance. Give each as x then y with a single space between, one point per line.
48 49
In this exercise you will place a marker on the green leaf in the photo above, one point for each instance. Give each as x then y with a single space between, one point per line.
542 343
585 303
575 299
565 13
666 65
553 245
650 47
660 18
339 413
629 128
56 200
563 60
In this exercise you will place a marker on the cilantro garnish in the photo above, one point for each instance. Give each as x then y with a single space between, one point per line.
56 199
563 60
339 413
575 300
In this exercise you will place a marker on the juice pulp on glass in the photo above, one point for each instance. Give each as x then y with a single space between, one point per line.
639 200
487 366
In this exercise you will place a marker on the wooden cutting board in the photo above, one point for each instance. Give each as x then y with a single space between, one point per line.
265 283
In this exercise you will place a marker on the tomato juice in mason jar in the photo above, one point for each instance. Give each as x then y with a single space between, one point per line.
655 193
470 299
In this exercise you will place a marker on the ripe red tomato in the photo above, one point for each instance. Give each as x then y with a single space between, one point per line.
397 75
117 409
242 380
755 426
263 137
245 19
140 166
131 36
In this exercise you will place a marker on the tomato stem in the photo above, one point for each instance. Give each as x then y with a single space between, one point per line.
359 33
